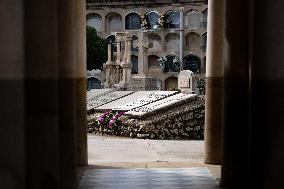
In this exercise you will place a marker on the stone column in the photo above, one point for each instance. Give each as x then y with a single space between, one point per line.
42 114
125 49
126 66
67 92
118 52
235 139
181 33
80 60
267 74
142 56
104 24
214 82
128 44
109 61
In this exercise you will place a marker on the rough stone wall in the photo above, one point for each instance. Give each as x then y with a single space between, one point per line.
183 121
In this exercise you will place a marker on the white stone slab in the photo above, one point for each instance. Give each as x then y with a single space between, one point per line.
97 92
163 103
106 98
152 97
124 100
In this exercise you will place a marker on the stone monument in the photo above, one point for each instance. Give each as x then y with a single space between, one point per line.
118 72
142 81
186 82
126 63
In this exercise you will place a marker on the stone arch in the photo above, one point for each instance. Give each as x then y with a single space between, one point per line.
204 41
95 20
194 19
134 62
171 84
132 21
172 19
192 41
94 83
192 63
172 42
152 20
205 15
155 41
114 22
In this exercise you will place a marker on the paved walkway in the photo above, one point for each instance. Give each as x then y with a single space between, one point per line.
165 158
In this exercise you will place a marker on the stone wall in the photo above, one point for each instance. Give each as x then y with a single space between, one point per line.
181 121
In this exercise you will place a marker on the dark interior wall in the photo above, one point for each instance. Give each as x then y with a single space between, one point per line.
12 106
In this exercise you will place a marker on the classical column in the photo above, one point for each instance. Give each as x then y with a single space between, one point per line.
236 131
128 44
214 82
142 56
109 61
118 52
42 95
126 66
181 42
67 92
125 49
81 90
104 24
267 73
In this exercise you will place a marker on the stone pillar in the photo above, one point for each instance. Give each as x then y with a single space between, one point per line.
81 91
67 92
118 52
142 56
109 61
181 33
214 83
235 139
128 43
126 66
104 24
125 49
267 74
42 95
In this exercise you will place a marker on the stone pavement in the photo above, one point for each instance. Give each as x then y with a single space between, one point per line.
153 178
108 152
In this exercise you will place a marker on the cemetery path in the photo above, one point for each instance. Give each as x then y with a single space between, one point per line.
126 163
116 152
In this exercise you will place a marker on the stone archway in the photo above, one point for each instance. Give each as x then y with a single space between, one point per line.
192 63
172 42
114 22
95 20
132 21
172 19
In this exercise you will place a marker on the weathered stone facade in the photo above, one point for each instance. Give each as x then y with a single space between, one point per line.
109 17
